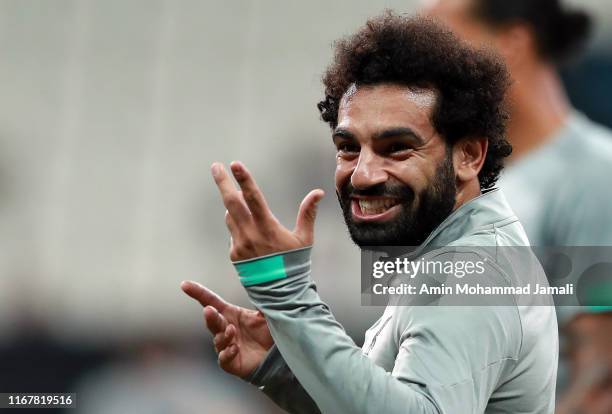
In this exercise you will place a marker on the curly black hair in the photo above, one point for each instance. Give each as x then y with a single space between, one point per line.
418 52
560 33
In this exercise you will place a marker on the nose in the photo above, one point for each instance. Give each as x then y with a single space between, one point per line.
369 171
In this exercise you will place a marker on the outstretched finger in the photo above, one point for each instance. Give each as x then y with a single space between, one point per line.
230 195
203 295
250 191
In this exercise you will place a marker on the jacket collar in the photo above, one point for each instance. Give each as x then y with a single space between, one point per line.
485 211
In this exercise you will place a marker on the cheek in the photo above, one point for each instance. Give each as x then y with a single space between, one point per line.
412 174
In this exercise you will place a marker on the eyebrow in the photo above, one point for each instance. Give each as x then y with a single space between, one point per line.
394 132
343 133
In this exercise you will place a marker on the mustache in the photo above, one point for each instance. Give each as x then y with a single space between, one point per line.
401 192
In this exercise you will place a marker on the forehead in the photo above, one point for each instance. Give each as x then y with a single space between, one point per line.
379 106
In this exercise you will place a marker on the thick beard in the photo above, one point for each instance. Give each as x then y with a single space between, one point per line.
418 217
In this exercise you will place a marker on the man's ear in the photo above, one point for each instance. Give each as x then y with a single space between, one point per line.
468 157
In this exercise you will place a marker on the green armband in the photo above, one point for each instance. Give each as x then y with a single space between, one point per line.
269 268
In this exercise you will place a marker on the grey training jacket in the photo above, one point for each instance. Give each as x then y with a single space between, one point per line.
415 359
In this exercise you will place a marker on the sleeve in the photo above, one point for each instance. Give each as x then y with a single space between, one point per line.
274 378
334 371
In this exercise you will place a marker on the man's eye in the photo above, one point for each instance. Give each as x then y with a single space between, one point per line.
346 147
398 147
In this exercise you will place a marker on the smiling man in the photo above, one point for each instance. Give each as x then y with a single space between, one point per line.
418 125
378 194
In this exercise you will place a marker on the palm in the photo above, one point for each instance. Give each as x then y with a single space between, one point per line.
252 337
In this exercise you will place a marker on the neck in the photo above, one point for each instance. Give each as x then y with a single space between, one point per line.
466 192
539 108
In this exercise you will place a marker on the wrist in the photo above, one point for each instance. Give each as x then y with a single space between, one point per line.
265 269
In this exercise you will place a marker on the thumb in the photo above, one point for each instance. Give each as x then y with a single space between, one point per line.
304 225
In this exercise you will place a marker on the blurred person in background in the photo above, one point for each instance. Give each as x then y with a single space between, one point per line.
557 178
589 352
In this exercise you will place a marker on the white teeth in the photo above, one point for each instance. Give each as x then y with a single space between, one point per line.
378 206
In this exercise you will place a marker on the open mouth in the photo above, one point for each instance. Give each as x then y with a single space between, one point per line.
374 209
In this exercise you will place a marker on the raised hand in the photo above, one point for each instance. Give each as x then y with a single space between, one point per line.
241 336
254 229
